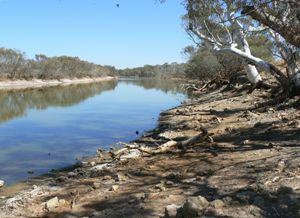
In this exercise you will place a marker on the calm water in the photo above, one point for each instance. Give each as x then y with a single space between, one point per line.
44 129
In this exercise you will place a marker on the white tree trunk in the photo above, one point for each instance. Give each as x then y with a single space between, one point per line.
284 81
252 73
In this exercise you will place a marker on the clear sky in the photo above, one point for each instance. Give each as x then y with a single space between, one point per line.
137 32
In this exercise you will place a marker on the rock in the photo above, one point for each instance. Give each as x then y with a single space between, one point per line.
107 178
194 206
1 183
131 201
227 200
217 204
140 196
171 211
160 186
52 204
71 174
69 216
96 185
62 179
169 183
114 188
245 142
122 177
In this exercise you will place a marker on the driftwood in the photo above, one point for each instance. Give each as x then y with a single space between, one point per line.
168 146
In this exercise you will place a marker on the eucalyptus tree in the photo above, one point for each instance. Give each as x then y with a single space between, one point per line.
282 16
221 25
213 23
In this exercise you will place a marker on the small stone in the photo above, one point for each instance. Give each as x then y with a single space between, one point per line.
169 183
131 201
71 174
171 211
140 196
1 183
245 142
160 186
52 204
96 185
62 179
114 188
195 206
122 177
93 163
227 200
69 216
217 204
107 178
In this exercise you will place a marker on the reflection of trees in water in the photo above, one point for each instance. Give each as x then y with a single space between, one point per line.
15 103
158 84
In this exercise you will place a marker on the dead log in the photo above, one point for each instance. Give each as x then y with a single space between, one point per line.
168 146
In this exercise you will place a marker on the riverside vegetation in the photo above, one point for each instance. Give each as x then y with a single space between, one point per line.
232 151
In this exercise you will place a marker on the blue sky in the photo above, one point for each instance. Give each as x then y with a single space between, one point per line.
137 32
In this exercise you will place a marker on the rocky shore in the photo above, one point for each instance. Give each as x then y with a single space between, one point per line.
249 167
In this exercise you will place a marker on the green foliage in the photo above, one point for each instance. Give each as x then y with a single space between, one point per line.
205 65
14 65
260 46
159 71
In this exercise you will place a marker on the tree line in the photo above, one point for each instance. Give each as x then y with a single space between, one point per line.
14 65
164 71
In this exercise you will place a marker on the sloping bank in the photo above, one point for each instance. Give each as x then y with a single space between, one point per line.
249 167
36 83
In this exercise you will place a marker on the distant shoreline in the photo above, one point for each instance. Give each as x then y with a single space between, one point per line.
37 83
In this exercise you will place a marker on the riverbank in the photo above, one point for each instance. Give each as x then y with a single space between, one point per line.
37 83
250 167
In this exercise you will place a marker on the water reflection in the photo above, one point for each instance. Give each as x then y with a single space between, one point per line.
155 83
16 103
73 121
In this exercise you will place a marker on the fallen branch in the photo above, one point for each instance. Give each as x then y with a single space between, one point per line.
168 146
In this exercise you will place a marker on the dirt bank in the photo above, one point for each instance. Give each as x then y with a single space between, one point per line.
250 169
36 83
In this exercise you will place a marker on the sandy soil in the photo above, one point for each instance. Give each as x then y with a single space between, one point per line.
251 169
24 84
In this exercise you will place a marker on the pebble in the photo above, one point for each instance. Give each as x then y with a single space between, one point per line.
114 188
52 204
171 211
121 177
195 206
1 183
96 185
217 204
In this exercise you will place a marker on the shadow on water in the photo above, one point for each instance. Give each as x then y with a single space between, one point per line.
16 103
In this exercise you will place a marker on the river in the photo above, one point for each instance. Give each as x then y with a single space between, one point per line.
49 128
